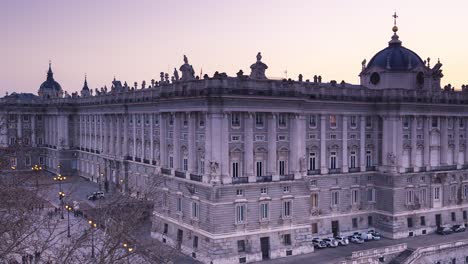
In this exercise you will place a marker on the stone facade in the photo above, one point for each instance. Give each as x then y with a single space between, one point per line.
253 168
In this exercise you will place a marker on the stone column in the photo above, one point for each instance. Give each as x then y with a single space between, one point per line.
96 144
443 140
323 145
125 134
385 141
111 135
456 150
362 144
345 167
208 140
143 145
162 140
176 141
151 138
19 128
224 162
376 151
33 130
414 140
427 142
192 149
272 149
293 144
134 136
248 148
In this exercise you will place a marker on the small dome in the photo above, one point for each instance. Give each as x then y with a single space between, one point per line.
396 57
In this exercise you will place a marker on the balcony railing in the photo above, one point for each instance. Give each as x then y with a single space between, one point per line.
128 158
444 168
370 168
179 174
288 177
357 169
195 177
146 161
422 169
465 166
166 171
408 170
265 178
337 170
138 159
237 180
153 162
313 172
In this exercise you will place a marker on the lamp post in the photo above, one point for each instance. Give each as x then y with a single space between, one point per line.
36 168
69 208
93 225
60 178
100 180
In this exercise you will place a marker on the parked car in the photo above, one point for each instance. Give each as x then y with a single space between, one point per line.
342 241
318 243
330 242
375 235
458 228
366 236
444 230
356 239
96 195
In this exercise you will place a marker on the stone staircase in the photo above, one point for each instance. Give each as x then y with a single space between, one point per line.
402 256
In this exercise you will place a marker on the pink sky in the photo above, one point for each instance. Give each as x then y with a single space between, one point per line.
135 40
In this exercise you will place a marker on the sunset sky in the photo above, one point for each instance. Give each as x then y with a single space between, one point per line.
135 40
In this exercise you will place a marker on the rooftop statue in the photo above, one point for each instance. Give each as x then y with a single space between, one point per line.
258 68
188 73
176 74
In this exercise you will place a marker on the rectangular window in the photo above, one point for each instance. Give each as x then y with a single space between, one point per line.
355 196
264 212
409 222
39 141
282 120
263 190
333 160
355 223
27 160
287 209
13 162
435 121
464 215
179 204
259 137
371 195
259 120
332 121
312 161
195 241
409 197
453 192
156 119
235 138
185 121
259 168
406 122
202 167
461 123
240 192
313 121
41 160
423 220
195 210
335 198
437 193
370 220
368 122
422 196
287 239
314 200
286 189
353 123
352 160
185 161
368 158
282 167
171 162
166 228
240 245
332 136
235 119
235 169
240 213
454 217
12 141
465 191
201 121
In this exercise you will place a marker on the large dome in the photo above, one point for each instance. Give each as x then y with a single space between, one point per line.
396 57
50 85
50 88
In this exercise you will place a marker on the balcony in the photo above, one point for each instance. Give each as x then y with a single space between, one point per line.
334 171
288 177
237 180
146 161
354 169
409 170
128 158
313 172
195 177
179 174
137 159
166 171
465 166
444 168
422 169
265 178
370 168
153 162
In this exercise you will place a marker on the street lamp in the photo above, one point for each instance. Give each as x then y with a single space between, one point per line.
93 225
36 168
128 247
61 196
100 180
69 208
